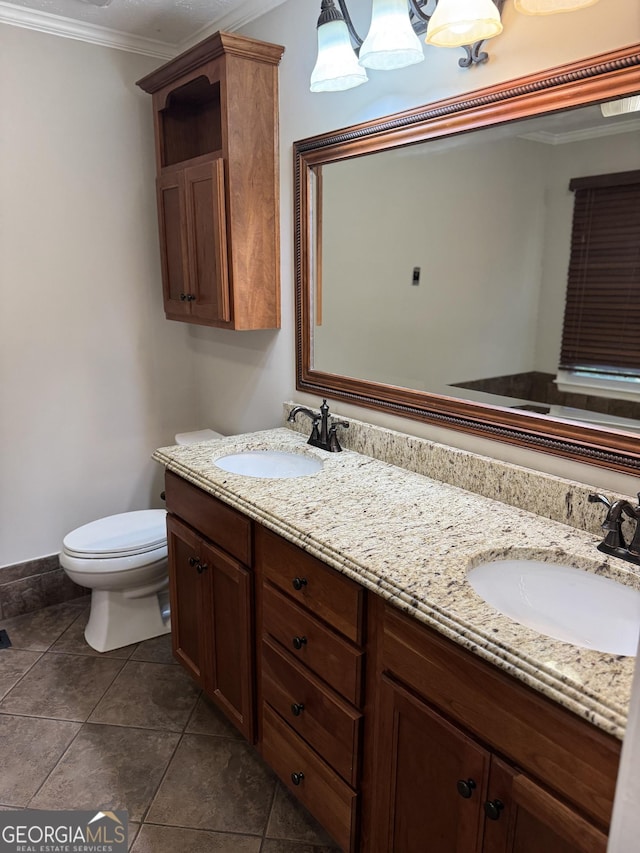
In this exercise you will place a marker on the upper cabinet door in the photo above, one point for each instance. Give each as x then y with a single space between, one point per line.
207 241
173 245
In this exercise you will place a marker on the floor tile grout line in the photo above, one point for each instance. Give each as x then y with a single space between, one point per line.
62 755
161 780
86 719
271 805
2 698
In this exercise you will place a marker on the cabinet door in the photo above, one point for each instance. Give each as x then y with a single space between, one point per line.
207 240
172 226
230 671
211 624
524 818
431 779
189 616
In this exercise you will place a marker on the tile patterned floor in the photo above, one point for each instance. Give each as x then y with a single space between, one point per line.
130 730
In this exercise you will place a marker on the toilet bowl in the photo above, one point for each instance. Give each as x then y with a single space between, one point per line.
122 559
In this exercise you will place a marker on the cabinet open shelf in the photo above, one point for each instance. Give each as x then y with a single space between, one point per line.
191 122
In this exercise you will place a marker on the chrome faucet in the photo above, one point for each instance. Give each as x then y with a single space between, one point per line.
323 429
614 542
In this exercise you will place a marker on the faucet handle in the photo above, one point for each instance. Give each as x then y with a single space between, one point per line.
597 498
315 430
334 444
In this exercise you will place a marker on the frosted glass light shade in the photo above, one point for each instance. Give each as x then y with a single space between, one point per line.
391 41
621 106
550 7
337 65
458 22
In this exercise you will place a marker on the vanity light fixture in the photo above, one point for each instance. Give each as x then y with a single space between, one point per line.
392 40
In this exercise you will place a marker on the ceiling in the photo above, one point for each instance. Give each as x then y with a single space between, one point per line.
154 27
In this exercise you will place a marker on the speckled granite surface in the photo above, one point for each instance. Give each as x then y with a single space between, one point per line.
412 540
553 497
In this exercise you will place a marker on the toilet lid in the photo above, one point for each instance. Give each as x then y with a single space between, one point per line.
121 535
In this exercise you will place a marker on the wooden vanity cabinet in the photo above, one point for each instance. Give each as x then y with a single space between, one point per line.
211 592
464 756
216 133
430 748
310 681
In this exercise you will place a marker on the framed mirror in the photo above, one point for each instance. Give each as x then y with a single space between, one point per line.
442 272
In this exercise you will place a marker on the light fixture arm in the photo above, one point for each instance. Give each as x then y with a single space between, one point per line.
475 56
347 19
416 9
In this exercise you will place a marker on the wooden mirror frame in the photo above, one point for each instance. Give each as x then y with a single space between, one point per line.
600 78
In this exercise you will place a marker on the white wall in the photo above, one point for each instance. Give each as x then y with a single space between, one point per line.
92 377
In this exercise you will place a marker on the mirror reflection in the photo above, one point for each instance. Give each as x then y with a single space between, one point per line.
443 267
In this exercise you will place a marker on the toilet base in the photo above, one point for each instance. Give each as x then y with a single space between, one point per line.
116 620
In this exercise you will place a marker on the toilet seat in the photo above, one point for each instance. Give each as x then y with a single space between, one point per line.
127 534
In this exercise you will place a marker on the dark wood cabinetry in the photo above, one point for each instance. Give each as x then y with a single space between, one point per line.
475 762
211 602
310 681
427 747
216 127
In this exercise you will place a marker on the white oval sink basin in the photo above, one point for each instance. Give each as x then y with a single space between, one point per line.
563 602
269 463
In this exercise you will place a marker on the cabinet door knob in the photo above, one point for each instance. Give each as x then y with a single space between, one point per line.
465 788
297 708
183 297
299 642
193 561
298 583
201 567
297 778
191 297
492 809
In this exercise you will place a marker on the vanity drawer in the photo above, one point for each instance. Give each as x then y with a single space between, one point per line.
320 788
218 522
326 722
335 660
330 595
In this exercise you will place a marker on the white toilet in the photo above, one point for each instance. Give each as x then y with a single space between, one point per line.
122 559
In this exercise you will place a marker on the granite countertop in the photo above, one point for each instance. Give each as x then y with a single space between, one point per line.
412 540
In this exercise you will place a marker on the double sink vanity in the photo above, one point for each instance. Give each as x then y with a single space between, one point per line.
326 603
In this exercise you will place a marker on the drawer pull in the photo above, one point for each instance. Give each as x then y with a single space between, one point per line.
299 642
297 708
465 789
492 809
298 583
297 778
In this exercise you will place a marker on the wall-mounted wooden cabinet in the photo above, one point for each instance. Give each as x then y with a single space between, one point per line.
216 130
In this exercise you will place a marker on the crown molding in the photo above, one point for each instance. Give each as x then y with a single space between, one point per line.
44 22
551 138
